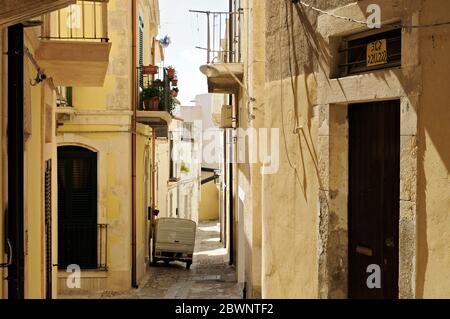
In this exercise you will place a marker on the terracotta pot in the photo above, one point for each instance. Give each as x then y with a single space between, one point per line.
150 69
174 93
171 73
151 104
174 82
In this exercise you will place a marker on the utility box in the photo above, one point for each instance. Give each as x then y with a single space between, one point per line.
226 117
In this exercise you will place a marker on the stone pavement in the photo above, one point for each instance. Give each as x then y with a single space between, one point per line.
210 277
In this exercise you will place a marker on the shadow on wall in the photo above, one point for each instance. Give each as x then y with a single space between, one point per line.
433 115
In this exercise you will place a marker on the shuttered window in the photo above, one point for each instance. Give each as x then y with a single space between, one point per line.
48 229
377 51
77 207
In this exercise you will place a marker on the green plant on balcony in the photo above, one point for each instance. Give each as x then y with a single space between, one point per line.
172 104
151 97
184 168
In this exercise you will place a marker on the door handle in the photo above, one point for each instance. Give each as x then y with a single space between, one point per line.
389 242
366 251
10 253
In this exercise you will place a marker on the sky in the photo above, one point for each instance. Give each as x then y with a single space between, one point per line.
187 30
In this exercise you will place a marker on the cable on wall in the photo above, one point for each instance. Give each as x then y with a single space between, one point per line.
403 26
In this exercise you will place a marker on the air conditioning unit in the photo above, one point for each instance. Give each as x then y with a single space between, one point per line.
226 116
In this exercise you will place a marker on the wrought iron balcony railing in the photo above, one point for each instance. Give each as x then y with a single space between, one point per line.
223 42
87 20
156 94
82 244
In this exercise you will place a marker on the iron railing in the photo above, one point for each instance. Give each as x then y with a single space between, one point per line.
223 32
163 84
86 20
82 244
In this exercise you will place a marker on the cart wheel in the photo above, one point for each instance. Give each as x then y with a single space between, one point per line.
188 265
167 262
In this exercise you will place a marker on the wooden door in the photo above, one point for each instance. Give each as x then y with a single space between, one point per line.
374 187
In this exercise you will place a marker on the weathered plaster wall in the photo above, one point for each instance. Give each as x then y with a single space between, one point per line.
162 165
251 116
40 146
310 44
143 191
290 198
102 122
433 191
118 76
114 204
209 204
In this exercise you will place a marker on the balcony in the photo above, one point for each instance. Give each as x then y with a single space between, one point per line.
75 46
157 97
85 245
224 68
13 11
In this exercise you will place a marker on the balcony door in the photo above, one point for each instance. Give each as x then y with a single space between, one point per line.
77 207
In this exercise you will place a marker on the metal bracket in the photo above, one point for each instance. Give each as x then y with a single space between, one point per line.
9 263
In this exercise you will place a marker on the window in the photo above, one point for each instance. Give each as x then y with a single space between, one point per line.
64 98
361 54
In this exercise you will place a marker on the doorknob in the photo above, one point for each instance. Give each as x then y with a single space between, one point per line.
389 242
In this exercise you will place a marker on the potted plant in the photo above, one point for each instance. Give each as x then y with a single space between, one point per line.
184 168
174 92
171 72
157 83
175 81
172 104
151 97
150 69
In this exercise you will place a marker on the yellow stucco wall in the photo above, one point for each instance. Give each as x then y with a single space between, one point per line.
39 147
209 203
103 123
162 160
143 196
433 192
290 204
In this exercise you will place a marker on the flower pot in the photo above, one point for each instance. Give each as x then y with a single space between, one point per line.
174 93
150 69
171 73
151 104
174 82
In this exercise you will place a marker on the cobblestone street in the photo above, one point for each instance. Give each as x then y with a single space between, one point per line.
210 277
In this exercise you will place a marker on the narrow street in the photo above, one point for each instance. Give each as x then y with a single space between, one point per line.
210 277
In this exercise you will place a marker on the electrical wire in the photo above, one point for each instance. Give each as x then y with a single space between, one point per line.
283 129
403 26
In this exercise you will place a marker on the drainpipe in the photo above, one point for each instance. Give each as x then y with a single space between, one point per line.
153 170
133 144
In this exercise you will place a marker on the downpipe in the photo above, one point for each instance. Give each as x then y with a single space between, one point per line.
133 146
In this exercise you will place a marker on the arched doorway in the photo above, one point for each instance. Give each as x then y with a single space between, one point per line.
77 207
